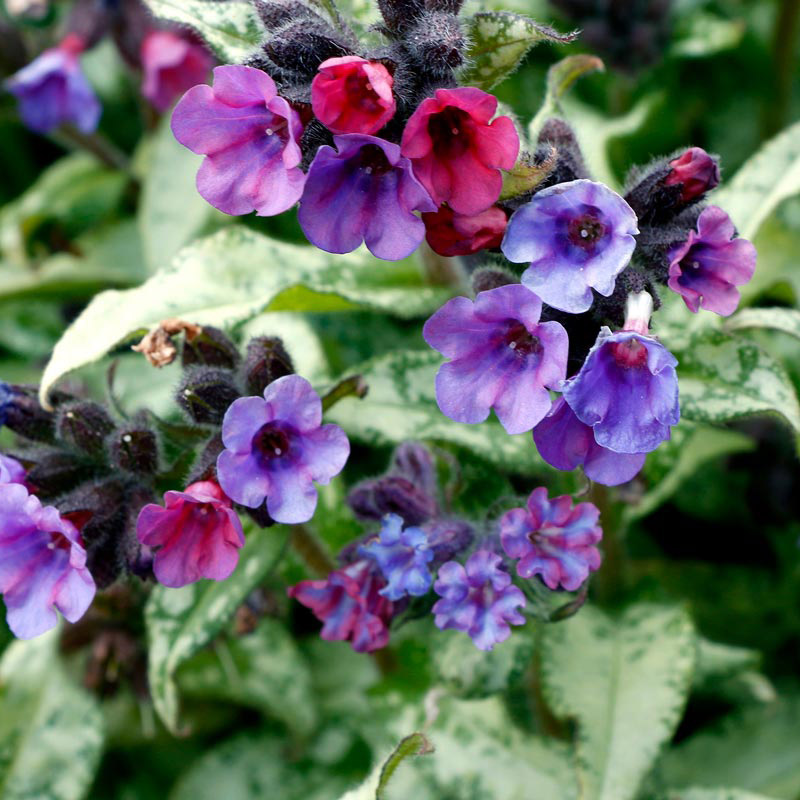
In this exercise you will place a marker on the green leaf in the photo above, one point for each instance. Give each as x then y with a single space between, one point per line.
731 672
401 405
230 277
626 691
706 35
51 731
263 669
231 29
171 211
723 378
713 794
181 621
766 179
499 40
756 749
785 320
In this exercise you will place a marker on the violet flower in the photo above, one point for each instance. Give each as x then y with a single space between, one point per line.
402 557
350 605
706 269
52 90
43 564
552 539
11 471
502 357
250 138
577 236
363 191
478 599
564 442
196 534
276 447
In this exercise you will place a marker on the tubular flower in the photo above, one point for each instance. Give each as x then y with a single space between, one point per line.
502 357
577 236
706 269
276 447
696 171
478 599
364 191
43 568
52 90
250 138
352 95
350 605
458 151
195 535
451 234
552 539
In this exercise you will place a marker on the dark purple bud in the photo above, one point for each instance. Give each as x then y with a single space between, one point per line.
134 448
266 361
276 13
392 494
436 43
84 425
569 162
303 44
259 515
20 411
695 171
52 471
400 14
415 462
206 393
210 348
487 278
205 467
448 538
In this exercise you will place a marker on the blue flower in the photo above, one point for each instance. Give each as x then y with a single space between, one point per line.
403 557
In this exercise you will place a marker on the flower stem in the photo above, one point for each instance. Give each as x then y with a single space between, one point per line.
101 148
314 553
784 40
609 581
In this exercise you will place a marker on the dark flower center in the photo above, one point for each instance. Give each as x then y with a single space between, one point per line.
585 230
58 541
450 132
629 354
271 442
373 160
361 93
519 339
279 127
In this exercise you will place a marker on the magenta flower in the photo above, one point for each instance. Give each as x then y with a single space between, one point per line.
696 171
552 539
364 191
195 535
11 471
52 90
451 234
706 269
478 599
564 442
626 391
352 95
250 138
276 447
458 151
171 64
43 566
502 357
577 236
350 605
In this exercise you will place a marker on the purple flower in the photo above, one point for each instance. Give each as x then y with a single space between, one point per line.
350 605
276 446
564 442
43 564
706 269
250 138
695 171
552 539
626 391
52 90
197 535
11 471
365 192
577 236
478 599
402 557
502 357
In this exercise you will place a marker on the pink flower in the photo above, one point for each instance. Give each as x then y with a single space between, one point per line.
172 64
352 95
11 471
198 535
451 234
250 138
456 152
696 171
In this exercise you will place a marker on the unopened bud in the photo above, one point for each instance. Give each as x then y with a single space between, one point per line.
638 311
275 13
205 467
21 412
52 471
84 425
134 448
266 361
206 393
210 348
399 15
414 461
486 278
436 43
392 494
448 538
695 171
302 45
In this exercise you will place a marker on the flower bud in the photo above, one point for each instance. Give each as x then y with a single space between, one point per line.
570 165
134 448
695 171
84 425
302 45
400 14
210 348
21 412
205 467
205 393
53 471
448 538
266 361
392 494
487 278
451 234
414 461
436 43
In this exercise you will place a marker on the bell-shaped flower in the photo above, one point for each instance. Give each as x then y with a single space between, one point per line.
451 234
